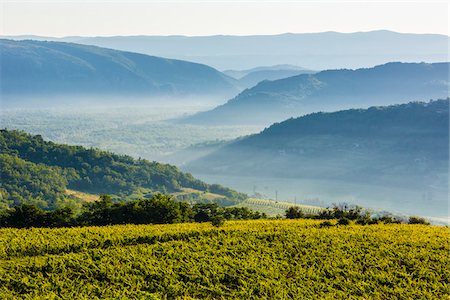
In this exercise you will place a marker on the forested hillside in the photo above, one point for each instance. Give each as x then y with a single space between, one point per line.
331 90
401 146
37 170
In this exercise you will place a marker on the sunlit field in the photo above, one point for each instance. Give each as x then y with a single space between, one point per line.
275 259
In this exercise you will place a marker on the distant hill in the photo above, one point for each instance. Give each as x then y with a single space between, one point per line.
238 74
39 68
402 146
249 78
255 77
331 90
38 171
316 51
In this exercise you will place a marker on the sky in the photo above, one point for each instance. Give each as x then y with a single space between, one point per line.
58 18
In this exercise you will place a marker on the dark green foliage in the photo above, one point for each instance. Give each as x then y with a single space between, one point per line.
24 182
417 220
326 224
36 169
366 219
218 220
30 216
342 210
343 221
206 212
294 213
345 213
387 219
203 212
241 213
160 209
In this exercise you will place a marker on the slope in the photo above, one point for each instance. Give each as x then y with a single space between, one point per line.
272 101
36 170
399 147
33 68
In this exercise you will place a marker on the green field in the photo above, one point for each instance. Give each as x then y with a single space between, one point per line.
271 259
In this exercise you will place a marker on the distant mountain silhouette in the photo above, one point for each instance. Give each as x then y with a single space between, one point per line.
51 68
331 90
316 51
238 74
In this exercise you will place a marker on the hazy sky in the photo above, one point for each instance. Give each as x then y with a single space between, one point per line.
93 18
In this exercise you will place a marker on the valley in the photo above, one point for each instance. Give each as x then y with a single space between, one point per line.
224 150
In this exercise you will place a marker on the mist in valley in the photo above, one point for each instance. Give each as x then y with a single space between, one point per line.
146 129
139 127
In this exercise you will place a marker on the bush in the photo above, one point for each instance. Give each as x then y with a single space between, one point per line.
218 220
417 220
294 213
343 221
326 224
389 220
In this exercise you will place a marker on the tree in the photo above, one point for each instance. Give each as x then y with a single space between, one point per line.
294 213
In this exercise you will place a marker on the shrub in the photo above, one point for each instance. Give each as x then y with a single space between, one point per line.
326 224
294 213
389 220
218 220
417 220
343 221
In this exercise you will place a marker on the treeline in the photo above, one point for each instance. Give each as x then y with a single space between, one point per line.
32 168
346 214
160 209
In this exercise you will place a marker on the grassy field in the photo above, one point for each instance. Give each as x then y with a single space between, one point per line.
275 259
82 196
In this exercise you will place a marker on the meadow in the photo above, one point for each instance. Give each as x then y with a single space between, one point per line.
267 259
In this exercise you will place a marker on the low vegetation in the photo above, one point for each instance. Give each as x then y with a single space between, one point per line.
346 214
159 209
268 259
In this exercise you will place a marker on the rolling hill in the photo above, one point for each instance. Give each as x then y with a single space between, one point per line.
253 78
331 90
401 146
40 68
40 172
238 74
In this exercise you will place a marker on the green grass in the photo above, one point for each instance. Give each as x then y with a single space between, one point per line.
278 259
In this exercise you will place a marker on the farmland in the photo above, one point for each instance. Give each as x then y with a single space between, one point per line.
275 259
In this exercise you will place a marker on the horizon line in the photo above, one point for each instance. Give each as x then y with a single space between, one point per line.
217 35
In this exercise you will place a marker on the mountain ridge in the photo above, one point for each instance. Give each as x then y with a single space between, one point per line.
273 101
317 51
397 155
35 67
